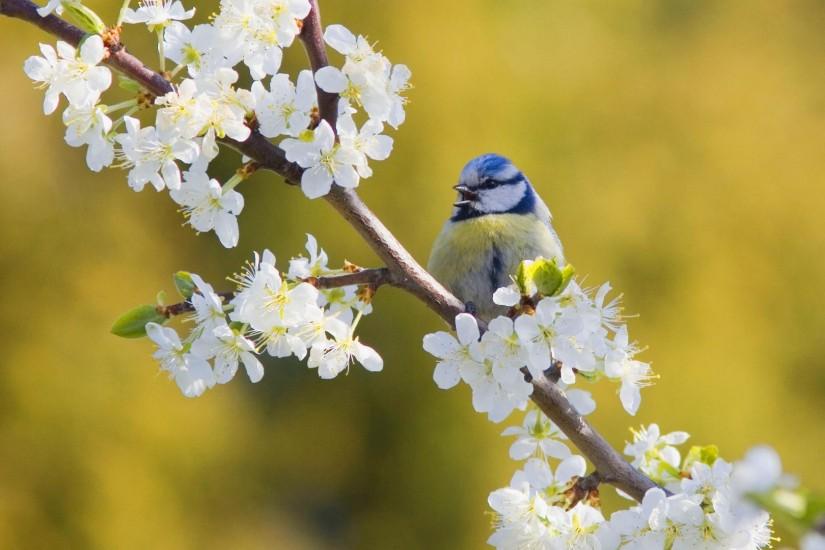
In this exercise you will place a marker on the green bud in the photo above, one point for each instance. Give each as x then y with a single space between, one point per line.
184 284
567 273
706 455
523 277
133 323
84 17
128 84
546 276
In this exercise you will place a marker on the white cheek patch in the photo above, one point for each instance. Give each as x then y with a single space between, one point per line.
502 198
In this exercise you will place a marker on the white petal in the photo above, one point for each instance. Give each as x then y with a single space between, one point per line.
226 226
582 401
316 182
440 344
522 448
254 368
92 49
573 465
466 328
506 296
196 378
340 39
554 448
446 375
368 357
346 176
331 79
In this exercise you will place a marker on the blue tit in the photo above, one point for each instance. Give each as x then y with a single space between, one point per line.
497 222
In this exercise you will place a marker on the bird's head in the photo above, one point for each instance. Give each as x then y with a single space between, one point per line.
491 184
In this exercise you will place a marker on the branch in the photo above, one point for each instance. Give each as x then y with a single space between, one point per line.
313 40
403 270
374 278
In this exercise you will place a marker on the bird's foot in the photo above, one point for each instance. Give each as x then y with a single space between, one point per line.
471 308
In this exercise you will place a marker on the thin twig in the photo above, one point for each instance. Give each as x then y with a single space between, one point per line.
406 272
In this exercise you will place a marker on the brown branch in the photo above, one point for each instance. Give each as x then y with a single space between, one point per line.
405 272
313 39
375 278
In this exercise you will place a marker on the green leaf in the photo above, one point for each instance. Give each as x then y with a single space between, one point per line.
567 273
523 277
84 17
706 455
133 323
546 276
184 284
128 84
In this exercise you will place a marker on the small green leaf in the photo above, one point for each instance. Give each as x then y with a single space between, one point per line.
567 273
184 284
160 298
133 323
523 277
546 276
85 18
706 455
128 84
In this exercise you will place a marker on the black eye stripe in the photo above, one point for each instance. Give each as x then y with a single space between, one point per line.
488 184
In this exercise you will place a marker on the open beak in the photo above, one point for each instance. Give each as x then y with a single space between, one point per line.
467 195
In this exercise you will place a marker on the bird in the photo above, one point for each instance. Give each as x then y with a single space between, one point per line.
497 222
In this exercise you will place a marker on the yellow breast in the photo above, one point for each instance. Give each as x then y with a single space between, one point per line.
474 257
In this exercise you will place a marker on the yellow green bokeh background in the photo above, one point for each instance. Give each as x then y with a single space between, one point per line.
680 147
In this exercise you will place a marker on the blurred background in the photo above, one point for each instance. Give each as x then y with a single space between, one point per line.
680 146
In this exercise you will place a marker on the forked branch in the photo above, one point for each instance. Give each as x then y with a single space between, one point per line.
402 270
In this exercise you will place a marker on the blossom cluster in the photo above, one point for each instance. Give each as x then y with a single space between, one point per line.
579 329
174 149
707 508
280 314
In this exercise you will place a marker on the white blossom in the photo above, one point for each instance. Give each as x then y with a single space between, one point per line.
619 364
368 142
314 266
191 373
261 28
537 436
152 154
70 72
285 108
88 125
208 207
655 454
157 13
198 48
228 348
324 160
228 104
760 471
456 355
265 299
184 110
209 311
334 356
367 78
